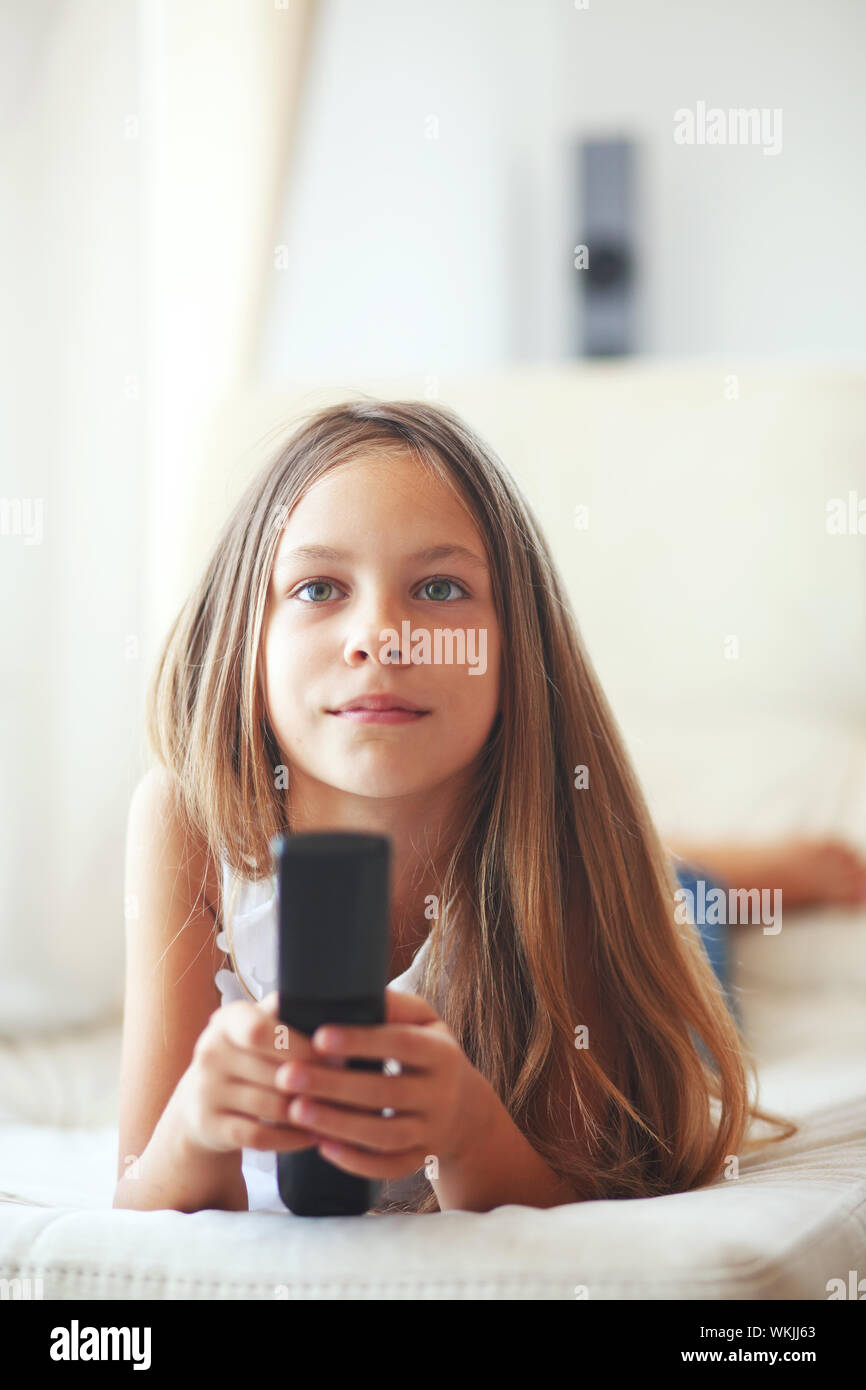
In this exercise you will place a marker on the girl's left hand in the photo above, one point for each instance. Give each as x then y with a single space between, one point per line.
433 1107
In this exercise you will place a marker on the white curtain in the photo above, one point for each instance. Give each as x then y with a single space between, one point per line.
144 149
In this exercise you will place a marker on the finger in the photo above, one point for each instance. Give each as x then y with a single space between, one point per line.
248 1132
356 1127
409 1044
256 1030
290 1041
371 1165
293 1037
367 1090
251 1068
402 1007
256 1102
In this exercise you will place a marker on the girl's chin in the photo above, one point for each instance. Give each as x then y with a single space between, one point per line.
380 781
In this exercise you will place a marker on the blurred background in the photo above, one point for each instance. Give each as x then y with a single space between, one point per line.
625 240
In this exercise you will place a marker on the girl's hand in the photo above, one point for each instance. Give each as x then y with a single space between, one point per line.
229 1096
432 1108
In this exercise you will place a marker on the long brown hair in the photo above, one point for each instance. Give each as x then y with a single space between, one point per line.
557 900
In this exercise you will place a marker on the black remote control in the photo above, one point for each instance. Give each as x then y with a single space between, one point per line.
333 895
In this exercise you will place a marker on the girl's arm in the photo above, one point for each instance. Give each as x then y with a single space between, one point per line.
171 959
498 1166
804 870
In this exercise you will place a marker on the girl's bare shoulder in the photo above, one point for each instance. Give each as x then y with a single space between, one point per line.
158 827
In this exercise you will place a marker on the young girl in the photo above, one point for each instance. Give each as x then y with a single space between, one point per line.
559 1035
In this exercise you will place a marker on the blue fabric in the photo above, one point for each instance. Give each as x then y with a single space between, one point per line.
716 937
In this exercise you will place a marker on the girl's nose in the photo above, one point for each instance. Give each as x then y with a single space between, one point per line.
377 638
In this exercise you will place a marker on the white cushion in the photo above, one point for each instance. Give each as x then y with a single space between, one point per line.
793 1219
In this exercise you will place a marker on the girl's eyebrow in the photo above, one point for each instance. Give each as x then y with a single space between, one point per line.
426 556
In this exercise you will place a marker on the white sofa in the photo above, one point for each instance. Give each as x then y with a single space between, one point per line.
706 521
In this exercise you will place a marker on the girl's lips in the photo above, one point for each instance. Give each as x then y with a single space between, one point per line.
380 716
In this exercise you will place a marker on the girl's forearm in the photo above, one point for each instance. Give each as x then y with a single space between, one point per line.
175 1174
497 1166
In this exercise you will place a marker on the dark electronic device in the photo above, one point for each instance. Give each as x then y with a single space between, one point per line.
333 895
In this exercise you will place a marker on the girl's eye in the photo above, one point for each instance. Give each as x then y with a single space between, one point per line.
452 582
313 584
328 584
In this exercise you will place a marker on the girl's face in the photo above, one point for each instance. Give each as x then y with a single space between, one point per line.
330 617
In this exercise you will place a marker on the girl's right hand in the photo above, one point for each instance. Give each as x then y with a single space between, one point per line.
228 1097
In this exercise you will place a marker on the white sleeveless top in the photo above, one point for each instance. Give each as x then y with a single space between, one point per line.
255 940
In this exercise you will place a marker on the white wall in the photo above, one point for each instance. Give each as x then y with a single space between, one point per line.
71 440
411 253
394 236
140 148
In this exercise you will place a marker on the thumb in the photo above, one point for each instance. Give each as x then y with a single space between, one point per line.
403 1007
